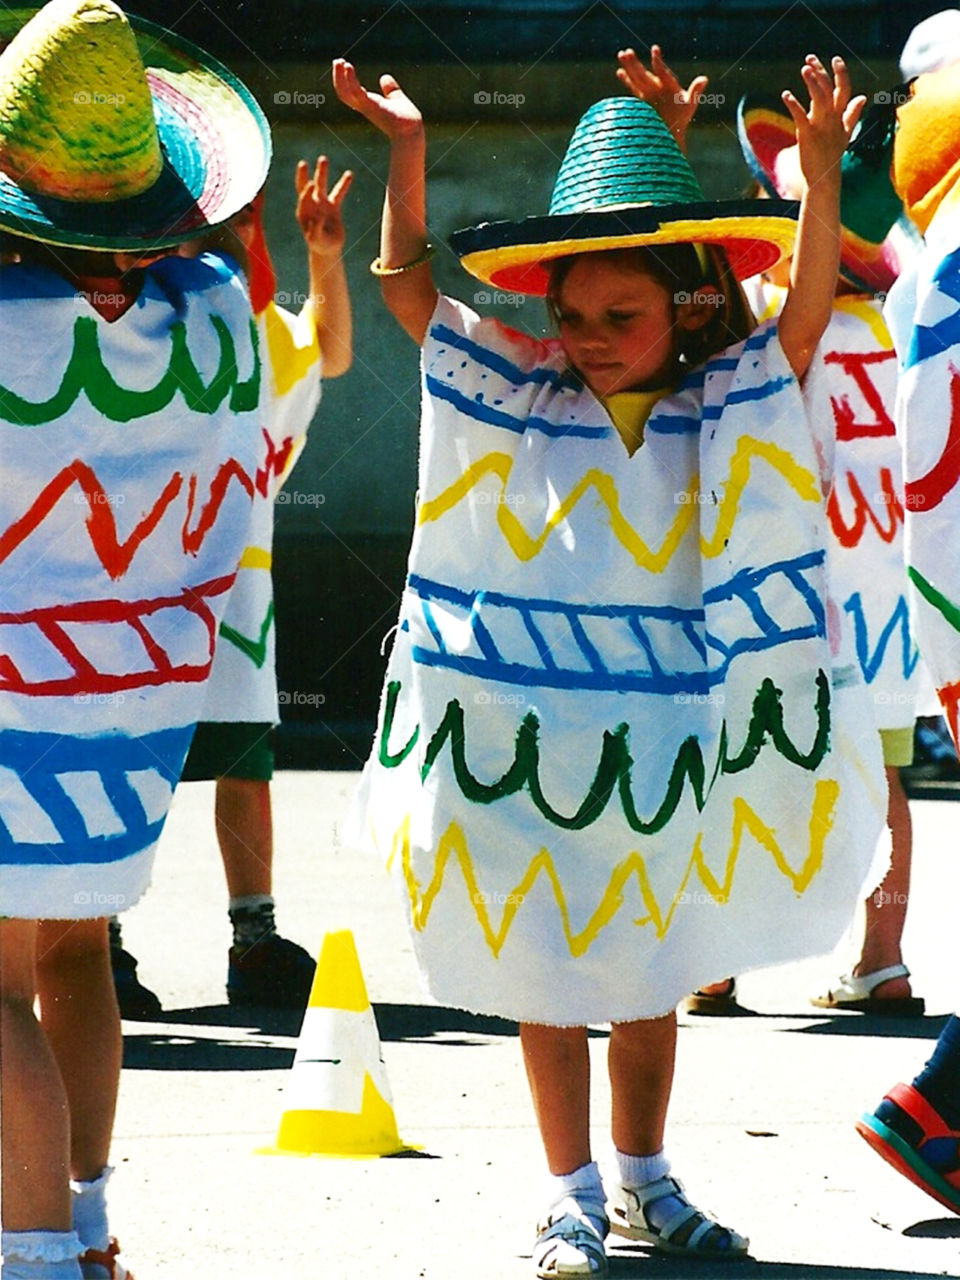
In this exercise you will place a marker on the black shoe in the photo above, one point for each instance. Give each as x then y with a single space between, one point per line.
136 1001
274 972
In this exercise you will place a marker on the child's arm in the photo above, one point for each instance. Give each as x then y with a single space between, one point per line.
659 86
321 223
408 287
822 135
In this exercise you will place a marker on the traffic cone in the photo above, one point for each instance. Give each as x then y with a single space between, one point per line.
337 1096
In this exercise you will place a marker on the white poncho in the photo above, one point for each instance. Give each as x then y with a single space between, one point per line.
614 759
129 457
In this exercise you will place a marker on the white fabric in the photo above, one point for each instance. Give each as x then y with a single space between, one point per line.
923 312
580 631
129 453
243 683
850 393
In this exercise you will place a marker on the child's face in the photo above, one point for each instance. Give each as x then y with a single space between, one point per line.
618 327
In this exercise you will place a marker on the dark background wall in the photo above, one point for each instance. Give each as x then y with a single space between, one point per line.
344 521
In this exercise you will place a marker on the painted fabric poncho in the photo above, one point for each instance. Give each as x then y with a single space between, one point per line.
243 683
850 393
923 312
129 455
614 760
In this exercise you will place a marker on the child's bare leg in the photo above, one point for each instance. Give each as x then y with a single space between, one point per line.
558 1070
886 908
640 1061
35 1122
82 1024
245 834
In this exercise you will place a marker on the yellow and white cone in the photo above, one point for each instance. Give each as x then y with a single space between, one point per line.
337 1098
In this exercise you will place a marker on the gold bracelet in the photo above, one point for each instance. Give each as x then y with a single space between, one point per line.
425 256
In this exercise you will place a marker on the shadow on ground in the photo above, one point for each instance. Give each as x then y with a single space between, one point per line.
628 1260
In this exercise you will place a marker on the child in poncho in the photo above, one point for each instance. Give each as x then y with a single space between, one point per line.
129 449
613 750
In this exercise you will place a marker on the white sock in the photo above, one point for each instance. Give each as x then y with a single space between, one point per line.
40 1255
582 1184
89 1201
636 1170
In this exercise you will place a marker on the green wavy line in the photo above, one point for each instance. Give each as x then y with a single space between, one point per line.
615 766
87 373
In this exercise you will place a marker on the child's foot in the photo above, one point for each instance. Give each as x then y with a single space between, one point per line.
570 1240
913 1137
274 972
660 1214
104 1264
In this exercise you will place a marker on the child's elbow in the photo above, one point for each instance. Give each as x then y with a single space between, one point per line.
336 365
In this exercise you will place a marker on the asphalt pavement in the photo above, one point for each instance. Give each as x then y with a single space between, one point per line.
760 1130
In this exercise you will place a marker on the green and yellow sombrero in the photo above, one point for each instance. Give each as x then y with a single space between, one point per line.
869 208
624 182
118 135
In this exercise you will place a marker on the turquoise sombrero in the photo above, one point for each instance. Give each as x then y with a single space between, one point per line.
116 134
870 256
624 182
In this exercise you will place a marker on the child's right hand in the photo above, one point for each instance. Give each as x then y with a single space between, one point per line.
659 86
390 110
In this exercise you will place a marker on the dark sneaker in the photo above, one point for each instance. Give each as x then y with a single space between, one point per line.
273 972
135 1000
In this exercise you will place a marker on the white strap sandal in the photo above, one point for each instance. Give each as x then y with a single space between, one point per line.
568 1242
856 993
705 1238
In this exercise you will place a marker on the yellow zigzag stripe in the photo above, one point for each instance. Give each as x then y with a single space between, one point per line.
525 546
870 316
745 820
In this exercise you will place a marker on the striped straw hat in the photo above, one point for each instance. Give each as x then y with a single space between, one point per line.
116 134
624 182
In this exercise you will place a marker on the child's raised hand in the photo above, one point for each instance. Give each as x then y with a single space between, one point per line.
659 86
824 130
390 110
318 213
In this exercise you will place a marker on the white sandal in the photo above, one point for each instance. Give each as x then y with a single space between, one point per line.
856 993
568 1242
631 1219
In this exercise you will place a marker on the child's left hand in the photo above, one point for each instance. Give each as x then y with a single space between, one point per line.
318 213
824 130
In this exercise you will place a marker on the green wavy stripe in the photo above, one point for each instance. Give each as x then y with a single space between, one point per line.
86 373
946 607
614 769
255 650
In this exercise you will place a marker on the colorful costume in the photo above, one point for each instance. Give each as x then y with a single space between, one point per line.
615 759
131 453
850 392
243 685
